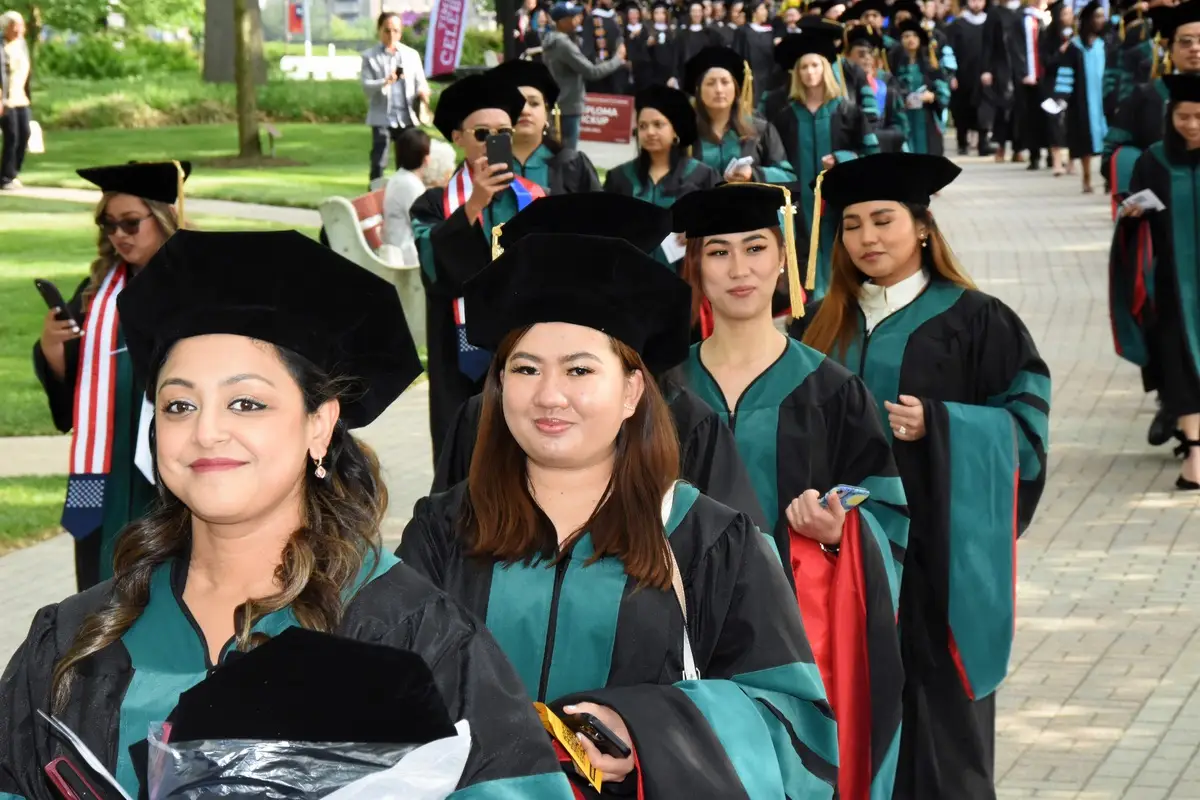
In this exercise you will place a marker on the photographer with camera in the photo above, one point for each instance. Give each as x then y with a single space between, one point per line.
393 79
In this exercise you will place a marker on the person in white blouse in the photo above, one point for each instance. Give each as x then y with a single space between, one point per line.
393 79
423 163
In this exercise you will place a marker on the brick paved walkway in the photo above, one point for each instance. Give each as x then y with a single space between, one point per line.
1102 702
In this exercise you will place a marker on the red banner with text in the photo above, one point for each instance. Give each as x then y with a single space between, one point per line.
606 118
447 27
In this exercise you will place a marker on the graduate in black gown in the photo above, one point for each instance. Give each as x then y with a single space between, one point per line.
970 105
663 63
75 364
693 35
1079 80
864 48
262 351
537 152
967 401
804 424
663 170
614 589
453 225
635 30
1004 62
708 455
755 43
600 40
1165 285
925 86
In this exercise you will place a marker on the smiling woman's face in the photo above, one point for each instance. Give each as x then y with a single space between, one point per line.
233 437
739 271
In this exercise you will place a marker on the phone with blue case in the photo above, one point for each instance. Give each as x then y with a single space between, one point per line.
851 496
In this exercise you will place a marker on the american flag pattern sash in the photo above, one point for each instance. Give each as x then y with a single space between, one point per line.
473 361
95 390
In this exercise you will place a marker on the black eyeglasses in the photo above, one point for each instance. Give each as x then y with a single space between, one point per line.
129 227
482 132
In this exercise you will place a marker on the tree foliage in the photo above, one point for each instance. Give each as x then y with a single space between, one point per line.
89 16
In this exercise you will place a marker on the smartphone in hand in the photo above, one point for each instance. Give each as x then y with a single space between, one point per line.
598 734
54 299
499 150
850 496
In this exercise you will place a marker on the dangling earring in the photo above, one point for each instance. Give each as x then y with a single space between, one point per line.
319 472
925 240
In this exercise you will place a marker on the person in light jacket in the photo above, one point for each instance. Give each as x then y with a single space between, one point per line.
393 79
14 98
570 68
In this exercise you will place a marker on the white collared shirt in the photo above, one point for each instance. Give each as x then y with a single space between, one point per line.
880 302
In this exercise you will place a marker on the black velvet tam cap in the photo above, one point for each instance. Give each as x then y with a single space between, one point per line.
912 26
305 686
473 93
902 177
828 27
864 35
520 72
910 6
1183 88
796 46
672 104
1168 19
712 57
279 287
617 216
150 180
731 208
594 281
857 10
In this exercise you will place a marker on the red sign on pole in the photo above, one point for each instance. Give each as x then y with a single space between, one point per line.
295 17
606 118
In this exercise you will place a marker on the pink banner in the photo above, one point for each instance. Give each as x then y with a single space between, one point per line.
447 27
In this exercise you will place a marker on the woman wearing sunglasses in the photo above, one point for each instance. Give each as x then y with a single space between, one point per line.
85 369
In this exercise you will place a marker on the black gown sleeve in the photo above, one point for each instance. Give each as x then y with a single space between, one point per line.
61 393
455 461
617 182
709 460
758 680
579 175
25 688
452 249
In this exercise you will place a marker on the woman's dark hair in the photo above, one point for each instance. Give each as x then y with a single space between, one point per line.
412 148
503 521
339 530
384 17
643 161
834 324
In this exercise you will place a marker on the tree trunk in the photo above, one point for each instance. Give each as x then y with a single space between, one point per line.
249 144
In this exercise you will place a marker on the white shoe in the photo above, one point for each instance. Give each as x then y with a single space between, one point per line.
16 184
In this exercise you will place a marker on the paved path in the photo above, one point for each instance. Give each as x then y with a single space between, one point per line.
1102 702
301 217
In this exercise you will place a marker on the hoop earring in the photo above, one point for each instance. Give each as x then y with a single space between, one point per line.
319 472
675 142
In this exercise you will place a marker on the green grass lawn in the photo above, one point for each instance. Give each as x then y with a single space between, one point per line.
30 508
334 157
55 241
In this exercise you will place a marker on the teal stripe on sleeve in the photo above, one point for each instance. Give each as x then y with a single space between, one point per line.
7 796
588 606
421 231
518 616
786 688
983 529
949 60
778 173
841 156
741 730
546 786
1028 383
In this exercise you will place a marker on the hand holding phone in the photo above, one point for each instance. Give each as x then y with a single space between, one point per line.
850 496
499 149
54 299
607 749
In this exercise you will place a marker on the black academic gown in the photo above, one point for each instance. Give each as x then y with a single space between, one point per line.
758 723
689 42
138 679
637 54
972 485
127 493
1004 58
601 38
708 455
1155 276
1140 121
452 251
758 47
662 63
559 170
808 423
968 103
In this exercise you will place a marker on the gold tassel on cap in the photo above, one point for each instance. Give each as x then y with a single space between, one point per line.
496 248
747 99
557 124
933 59
814 242
181 176
796 295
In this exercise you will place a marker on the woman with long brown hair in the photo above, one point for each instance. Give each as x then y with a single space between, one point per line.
84 367
261 351
728 130
819 126
803 425
967 400
614 589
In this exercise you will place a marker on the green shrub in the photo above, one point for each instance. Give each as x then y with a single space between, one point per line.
101 56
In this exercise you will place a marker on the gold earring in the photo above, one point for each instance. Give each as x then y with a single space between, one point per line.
319 472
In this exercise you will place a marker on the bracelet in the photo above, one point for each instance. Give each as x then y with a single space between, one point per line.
830 549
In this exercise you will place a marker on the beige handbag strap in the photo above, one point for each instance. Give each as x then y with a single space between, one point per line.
690 672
